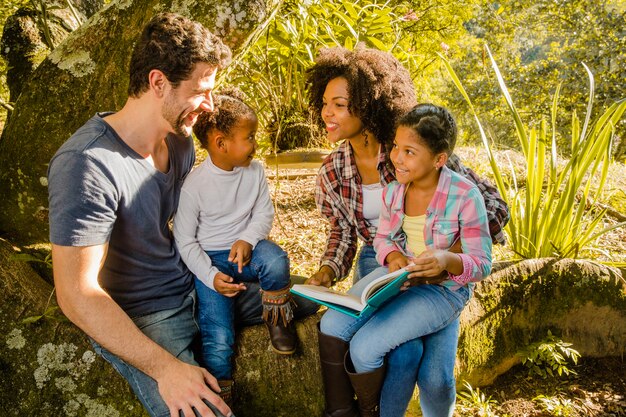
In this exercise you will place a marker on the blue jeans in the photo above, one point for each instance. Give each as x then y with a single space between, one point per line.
428 360
365 262
174 330
269 265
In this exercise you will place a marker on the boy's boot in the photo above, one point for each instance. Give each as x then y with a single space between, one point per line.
226 393
367 386
278 316
338 390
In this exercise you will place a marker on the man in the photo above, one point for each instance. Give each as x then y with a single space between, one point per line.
113 188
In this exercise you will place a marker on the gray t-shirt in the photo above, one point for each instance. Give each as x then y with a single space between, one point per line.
100 190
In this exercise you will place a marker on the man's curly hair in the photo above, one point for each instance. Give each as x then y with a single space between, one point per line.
379 87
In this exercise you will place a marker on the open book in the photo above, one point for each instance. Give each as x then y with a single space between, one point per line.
376 294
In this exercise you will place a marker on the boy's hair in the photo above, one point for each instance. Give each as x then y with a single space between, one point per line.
435 126
173 44
229 108
380 88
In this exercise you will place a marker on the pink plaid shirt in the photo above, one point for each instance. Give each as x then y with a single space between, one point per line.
456 211
339 198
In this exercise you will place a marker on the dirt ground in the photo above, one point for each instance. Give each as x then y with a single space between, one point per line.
598 388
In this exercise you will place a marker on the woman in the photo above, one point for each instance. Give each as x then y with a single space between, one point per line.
358 96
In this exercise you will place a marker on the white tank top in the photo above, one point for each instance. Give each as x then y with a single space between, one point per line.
372 202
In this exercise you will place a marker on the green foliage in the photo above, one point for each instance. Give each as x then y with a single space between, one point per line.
552 214
27 257
556 406
273 71
475 402
541 43
550 356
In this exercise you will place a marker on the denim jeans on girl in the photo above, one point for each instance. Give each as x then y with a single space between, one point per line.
269 265
174 330
429 360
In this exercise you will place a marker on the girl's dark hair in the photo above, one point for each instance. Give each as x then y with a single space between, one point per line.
434 124
229 109
380 88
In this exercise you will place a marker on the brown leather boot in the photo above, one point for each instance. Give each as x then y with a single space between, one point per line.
278 317
226 393
338 390
367 386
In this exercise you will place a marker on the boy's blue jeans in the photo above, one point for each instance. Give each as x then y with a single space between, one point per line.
269 266
427 360
174 330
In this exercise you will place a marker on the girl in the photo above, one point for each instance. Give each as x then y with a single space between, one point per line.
221 227
425 211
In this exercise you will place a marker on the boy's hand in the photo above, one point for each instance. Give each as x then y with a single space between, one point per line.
240 254
222 284
395 260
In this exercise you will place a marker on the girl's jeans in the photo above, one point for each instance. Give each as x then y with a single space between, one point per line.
427 360
269 266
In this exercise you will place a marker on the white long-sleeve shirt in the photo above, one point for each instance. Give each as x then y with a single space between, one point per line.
216 209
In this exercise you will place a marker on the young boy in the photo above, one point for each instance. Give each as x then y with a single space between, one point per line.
224 217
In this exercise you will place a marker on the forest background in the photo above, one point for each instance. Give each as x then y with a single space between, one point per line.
503 98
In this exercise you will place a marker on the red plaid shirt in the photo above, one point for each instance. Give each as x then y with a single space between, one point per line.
339 198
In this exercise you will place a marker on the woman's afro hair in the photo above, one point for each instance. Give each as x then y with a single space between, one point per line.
379 87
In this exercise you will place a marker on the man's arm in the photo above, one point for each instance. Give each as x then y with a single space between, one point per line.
87 305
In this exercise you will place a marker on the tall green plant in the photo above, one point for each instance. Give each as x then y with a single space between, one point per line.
551 214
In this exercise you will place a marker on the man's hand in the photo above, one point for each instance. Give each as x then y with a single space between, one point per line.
325 276
240 254
183 386
395 260
222 284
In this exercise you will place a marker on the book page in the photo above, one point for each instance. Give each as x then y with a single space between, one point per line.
378 283
329 295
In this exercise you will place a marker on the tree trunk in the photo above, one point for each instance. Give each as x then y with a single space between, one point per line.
23 44
86 73
48 367
53 370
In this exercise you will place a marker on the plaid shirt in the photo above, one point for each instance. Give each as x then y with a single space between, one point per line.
339 198
456 211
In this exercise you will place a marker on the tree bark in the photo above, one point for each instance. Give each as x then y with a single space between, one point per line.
23 43
86 73
48 367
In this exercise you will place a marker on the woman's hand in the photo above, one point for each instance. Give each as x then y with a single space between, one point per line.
325 277
395 260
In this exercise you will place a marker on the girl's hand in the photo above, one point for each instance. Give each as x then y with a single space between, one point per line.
240 254
395 260
222 284
428 268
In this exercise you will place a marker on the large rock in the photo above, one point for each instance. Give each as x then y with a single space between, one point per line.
582 302
84 74
53 371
